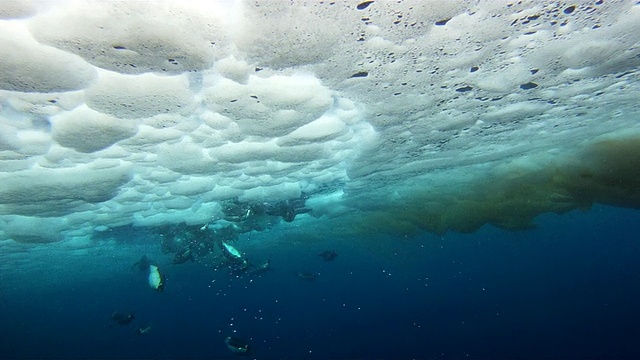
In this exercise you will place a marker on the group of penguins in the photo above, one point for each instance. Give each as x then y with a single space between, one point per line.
234 344
235 261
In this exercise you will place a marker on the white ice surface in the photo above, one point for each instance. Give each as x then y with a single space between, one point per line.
152 112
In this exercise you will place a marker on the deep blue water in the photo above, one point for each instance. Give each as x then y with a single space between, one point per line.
568 289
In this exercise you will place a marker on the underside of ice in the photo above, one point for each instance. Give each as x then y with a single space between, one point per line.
381 116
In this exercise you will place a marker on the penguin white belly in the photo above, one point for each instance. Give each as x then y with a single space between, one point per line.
232 251
155 279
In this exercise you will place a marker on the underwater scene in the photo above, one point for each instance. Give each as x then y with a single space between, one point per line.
318 179
568 289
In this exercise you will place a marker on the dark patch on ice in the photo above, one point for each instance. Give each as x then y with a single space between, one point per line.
41 123
473 69
464 89
528 86
442 22
360 74
569 9
363 5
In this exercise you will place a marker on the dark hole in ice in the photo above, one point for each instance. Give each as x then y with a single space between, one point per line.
442 22
119 47
253 96
464 89
363 5
528 86
360 74
473 69
258 69
533 71
569 9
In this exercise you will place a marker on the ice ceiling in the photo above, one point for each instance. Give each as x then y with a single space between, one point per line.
382 115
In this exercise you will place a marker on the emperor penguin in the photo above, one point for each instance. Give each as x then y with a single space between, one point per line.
236 345
156 280
230 252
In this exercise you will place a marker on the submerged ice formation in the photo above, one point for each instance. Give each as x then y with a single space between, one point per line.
396 115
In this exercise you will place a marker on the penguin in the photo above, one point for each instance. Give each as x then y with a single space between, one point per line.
122 319
230 252
259 269
236 345
143 331
183 256
156 280
328 255
307 275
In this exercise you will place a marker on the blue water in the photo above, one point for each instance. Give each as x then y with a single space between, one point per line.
568 289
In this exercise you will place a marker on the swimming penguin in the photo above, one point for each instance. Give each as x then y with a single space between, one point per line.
236 345
183 256
122 319
259 269
307 275
156 280
328 255
230 252
143 331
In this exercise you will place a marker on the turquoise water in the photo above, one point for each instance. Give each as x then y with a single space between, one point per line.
567 289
